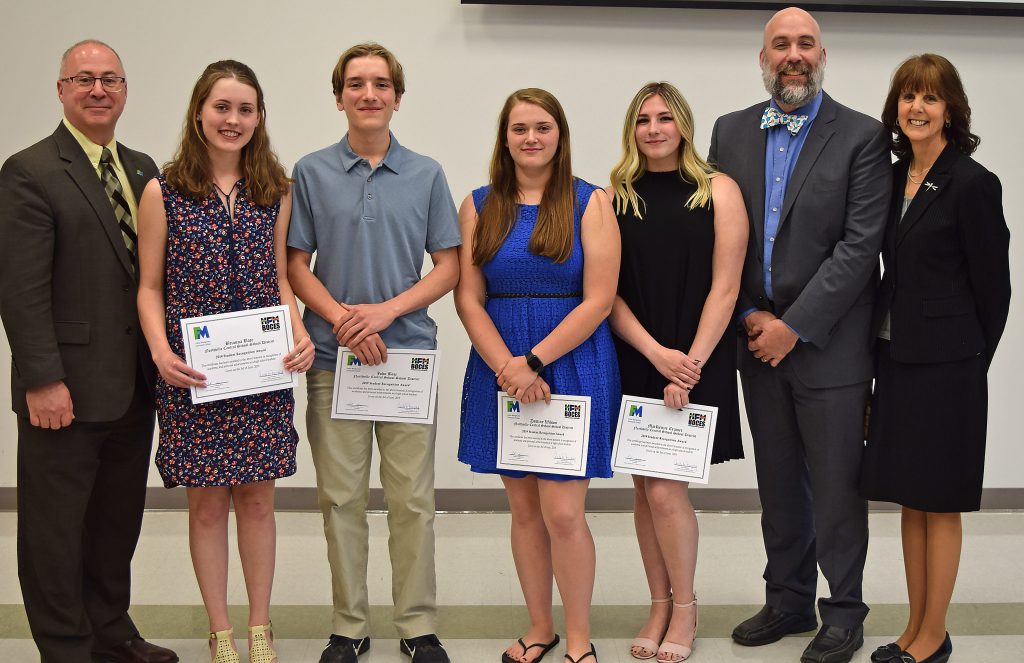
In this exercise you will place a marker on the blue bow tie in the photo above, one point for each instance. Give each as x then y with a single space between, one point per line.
773 116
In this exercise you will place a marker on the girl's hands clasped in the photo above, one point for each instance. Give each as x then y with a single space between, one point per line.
676 367
516 377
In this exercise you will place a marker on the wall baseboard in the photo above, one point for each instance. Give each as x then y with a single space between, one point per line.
455 500
313 622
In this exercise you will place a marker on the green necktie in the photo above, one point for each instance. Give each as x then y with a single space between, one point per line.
122 212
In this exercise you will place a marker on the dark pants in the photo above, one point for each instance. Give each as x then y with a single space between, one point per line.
81 493
808 445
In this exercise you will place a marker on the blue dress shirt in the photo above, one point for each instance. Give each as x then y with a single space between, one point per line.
780 156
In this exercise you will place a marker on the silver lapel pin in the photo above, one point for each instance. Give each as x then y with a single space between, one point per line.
929 185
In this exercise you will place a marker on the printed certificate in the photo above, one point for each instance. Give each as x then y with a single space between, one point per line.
539 437
240 353
658 441
403 389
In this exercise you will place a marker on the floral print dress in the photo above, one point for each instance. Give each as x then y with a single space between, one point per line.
216 264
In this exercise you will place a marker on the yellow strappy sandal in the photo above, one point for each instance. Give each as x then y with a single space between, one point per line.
260 650
224 652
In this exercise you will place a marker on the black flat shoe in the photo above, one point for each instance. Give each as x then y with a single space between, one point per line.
545 647
886 653
770 625
833 644
940 655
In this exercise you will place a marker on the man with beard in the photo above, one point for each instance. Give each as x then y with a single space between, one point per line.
815 177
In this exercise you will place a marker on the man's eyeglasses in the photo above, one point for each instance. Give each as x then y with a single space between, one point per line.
109 83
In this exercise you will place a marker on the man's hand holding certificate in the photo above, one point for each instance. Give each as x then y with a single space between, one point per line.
243 352
658 441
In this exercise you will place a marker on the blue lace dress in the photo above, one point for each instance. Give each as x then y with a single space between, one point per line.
523 321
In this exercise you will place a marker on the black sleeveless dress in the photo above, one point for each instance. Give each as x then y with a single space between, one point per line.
665 278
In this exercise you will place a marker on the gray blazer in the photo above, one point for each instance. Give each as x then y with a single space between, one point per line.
67 287
825 256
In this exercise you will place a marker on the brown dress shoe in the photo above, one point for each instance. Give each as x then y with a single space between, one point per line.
135 651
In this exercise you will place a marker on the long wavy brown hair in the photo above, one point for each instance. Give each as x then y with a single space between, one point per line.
553 233
189 170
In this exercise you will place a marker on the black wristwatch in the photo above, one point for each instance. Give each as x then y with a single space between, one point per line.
534 362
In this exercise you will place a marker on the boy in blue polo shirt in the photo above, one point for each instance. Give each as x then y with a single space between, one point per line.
370 208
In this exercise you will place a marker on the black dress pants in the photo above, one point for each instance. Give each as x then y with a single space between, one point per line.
808 445
81 494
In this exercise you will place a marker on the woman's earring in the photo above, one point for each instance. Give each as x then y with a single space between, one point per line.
947 124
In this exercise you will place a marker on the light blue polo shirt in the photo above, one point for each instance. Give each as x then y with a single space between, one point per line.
369 228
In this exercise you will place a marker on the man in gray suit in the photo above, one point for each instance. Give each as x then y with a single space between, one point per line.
80 368
815 177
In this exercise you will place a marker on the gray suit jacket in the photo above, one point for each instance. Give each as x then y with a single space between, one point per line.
67 287
825 255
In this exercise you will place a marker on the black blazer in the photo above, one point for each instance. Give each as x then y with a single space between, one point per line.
947 271
67 287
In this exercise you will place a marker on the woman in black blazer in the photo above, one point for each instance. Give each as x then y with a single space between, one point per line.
941 309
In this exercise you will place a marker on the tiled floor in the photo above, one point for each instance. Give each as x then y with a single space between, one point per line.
479 595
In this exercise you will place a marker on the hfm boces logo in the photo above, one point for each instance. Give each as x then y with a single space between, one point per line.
698 420
420 364
270 323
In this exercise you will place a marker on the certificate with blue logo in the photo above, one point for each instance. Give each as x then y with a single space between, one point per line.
402 389
551 438
240 353
658 441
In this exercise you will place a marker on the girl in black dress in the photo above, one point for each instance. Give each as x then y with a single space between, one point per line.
684 237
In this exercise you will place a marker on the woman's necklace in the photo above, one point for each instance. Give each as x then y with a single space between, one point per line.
919 175
227 198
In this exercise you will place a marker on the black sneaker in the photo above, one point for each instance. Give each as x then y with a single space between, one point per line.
424 649
340 649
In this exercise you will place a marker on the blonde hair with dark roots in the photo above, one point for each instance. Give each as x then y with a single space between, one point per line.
633 164
553 233
189 170
364 50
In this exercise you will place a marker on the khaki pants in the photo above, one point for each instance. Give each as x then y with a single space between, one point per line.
342 449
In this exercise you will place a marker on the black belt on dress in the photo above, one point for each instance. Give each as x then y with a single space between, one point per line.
541 295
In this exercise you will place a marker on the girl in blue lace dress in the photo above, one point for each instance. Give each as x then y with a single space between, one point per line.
539 270
212 234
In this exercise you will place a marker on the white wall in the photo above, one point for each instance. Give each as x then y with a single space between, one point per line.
461 63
